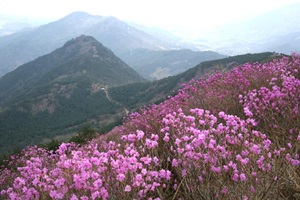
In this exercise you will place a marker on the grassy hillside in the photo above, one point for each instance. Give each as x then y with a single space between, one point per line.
231 135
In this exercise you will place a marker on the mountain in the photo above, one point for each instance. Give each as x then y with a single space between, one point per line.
21 47
60 91
80 57
166 36
122 38
159 64
25 46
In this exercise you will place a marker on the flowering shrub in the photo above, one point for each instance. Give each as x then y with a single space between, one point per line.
231 135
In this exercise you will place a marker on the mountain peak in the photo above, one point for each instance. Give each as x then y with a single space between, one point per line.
84 38
79 20
81 42
78 15
85 53
86 45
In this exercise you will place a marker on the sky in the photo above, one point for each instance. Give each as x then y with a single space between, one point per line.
184 15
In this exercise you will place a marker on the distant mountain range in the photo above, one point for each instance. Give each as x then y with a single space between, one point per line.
81 84
123 39
24 46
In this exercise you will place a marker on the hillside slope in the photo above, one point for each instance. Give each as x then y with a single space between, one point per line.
232 135
60 90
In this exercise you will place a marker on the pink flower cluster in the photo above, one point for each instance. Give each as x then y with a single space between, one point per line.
231 135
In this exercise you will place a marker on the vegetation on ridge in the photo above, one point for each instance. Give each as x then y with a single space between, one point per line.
233 135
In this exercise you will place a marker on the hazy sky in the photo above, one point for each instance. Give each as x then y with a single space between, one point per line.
189 15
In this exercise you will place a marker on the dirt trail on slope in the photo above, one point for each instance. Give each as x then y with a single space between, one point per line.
113 101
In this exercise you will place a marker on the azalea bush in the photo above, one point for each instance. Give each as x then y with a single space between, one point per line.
232 135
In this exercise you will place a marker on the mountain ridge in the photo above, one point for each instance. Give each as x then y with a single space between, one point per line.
22 47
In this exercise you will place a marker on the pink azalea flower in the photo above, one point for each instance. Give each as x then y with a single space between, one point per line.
127 188
243 177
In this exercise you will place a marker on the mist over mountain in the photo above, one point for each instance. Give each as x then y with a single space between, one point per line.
285 43
10 24
155 65
121 37
9 28
21 47
166 36
277 30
